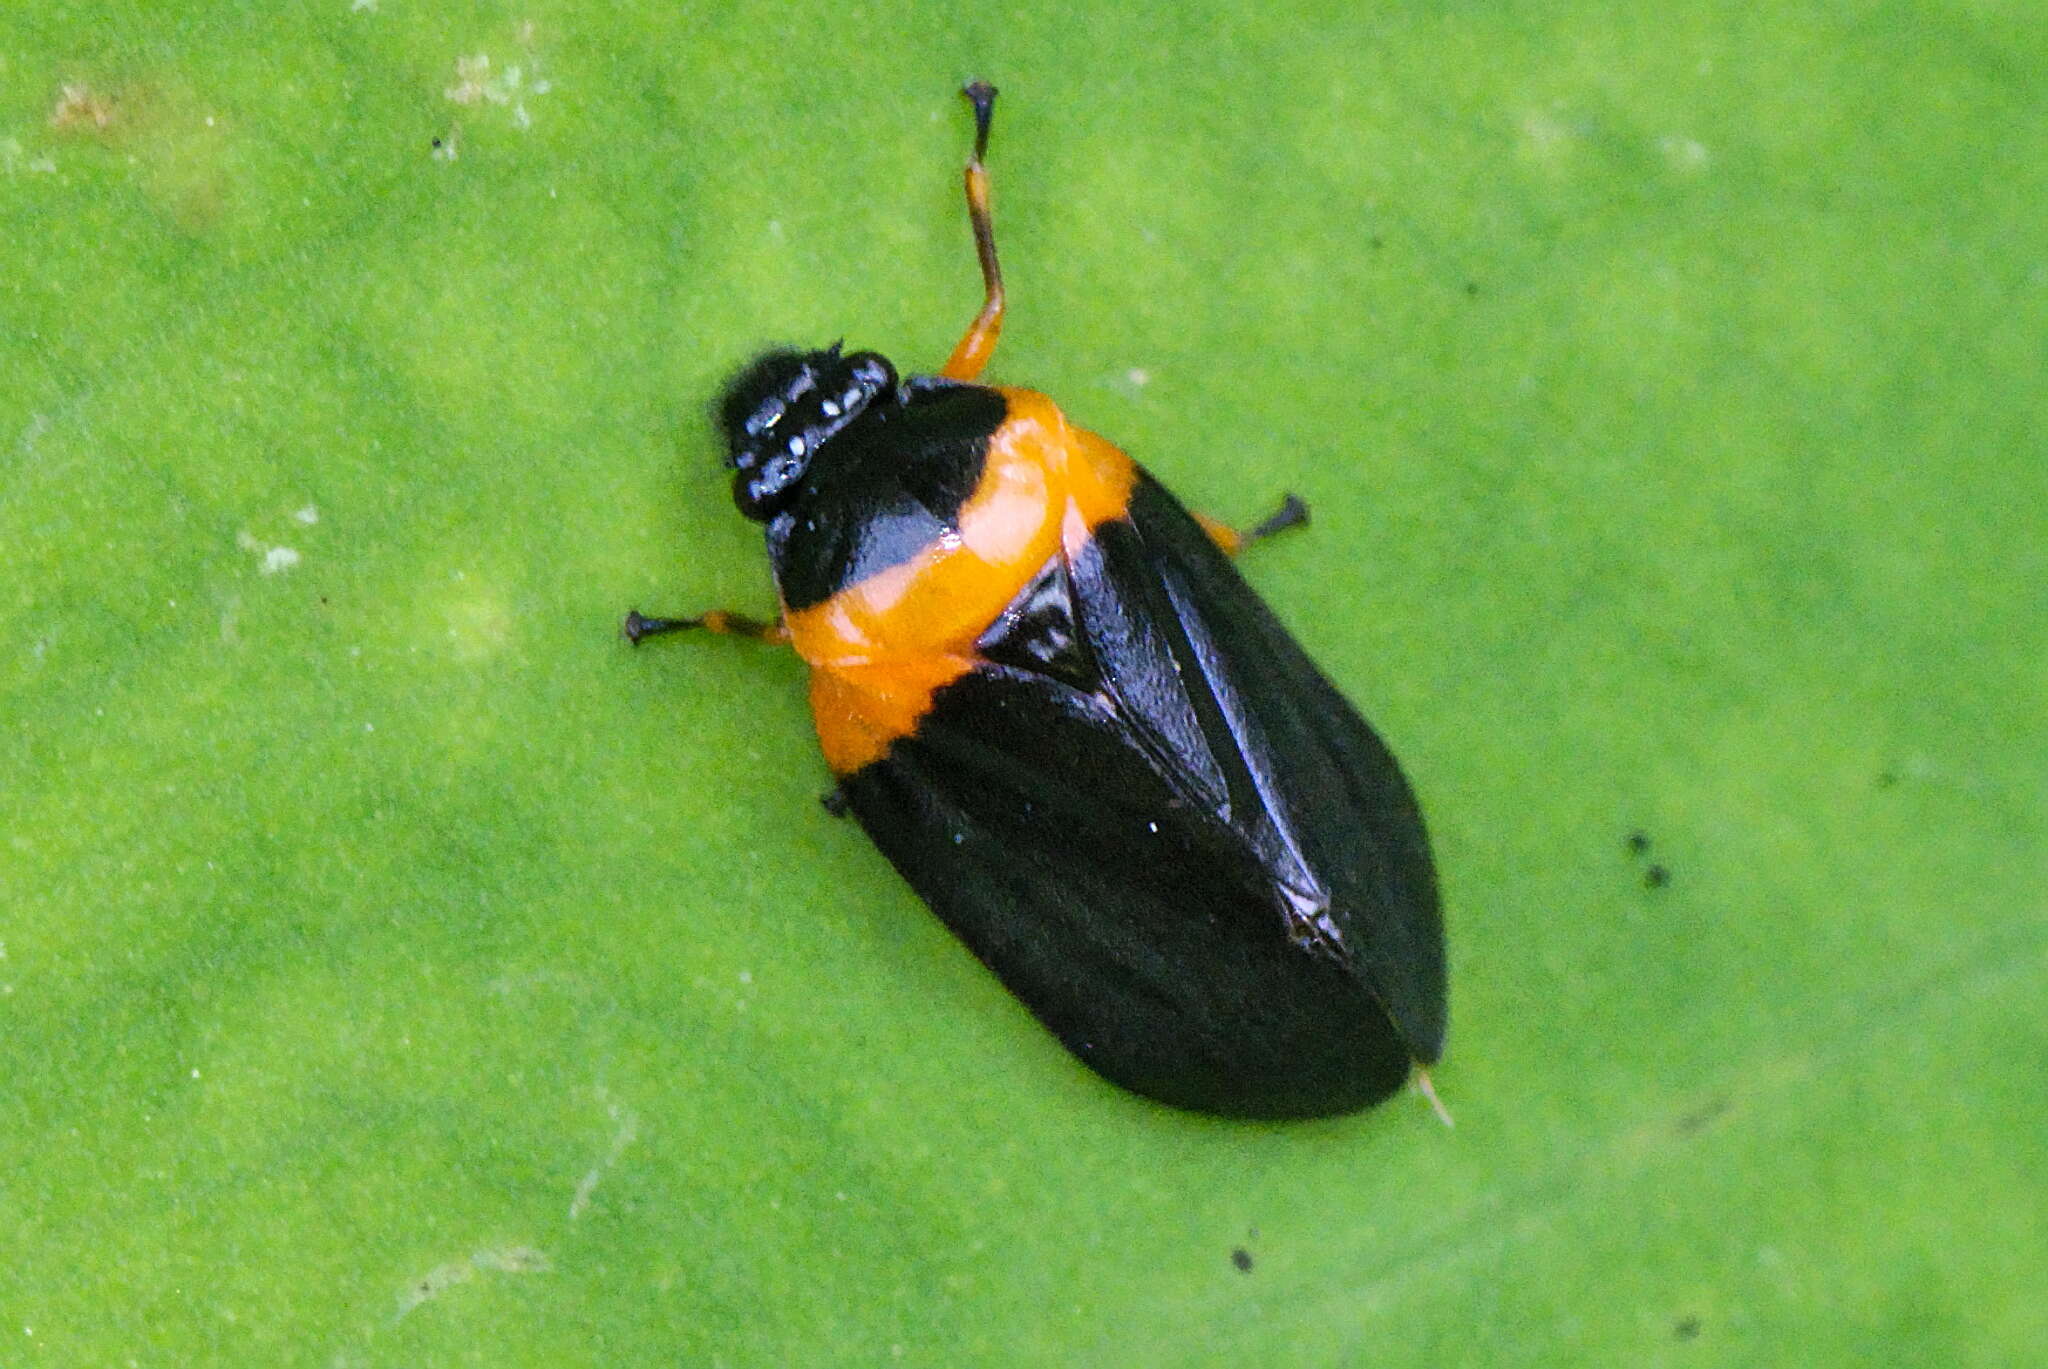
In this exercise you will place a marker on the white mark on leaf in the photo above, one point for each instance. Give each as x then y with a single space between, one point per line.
513 1259
625 1130
269 560
1545 135
1684 154
477 84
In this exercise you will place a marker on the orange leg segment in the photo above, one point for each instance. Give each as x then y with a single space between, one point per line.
980 341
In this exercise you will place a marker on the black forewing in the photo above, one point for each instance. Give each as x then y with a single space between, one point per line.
1325 780
1120 843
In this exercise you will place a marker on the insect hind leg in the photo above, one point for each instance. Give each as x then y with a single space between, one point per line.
979 344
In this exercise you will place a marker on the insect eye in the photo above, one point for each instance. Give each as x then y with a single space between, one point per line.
871 374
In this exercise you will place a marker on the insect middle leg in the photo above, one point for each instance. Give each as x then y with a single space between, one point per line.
638 626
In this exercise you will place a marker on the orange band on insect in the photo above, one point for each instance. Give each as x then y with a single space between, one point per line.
880 648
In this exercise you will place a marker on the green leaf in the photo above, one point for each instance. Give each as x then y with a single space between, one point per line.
397 970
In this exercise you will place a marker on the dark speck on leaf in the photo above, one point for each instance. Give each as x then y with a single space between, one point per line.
1656 877
1696 1121
1686 1328
1638 842
1242 1259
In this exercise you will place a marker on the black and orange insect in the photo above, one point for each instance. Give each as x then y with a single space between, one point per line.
1053 703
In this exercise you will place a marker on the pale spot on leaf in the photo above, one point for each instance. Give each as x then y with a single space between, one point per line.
1684 154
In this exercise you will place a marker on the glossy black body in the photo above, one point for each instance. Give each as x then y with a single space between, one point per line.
1148 812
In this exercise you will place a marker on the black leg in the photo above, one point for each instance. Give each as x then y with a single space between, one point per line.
1292 513
638 626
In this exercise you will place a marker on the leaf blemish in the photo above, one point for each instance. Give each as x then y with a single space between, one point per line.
270 560
1683 154
626 1130
1545 136
511 1259
1703 1116
81 109
476 84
